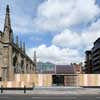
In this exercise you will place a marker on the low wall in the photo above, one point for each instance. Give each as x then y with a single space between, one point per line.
71 80
88 80
28 80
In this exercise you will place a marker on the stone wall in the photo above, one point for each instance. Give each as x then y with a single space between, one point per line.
29 80
89 79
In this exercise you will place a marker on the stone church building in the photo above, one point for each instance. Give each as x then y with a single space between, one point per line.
13 59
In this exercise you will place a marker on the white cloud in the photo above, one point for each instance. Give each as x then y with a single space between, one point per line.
71 39
55 54
20 24
59 14
56 15
67 39
84 39
95 27
66 46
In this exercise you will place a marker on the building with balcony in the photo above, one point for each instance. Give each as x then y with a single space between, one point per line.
92 63
88 62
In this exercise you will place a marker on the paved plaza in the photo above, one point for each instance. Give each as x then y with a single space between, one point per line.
56 91
49 97
52 93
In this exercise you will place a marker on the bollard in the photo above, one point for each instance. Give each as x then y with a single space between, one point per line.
1 89
24 89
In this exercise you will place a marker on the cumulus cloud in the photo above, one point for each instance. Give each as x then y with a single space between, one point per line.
95 26
67 46
55 54
83 40
59 14
71 39
67 38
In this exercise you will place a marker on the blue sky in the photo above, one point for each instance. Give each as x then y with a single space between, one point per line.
59 30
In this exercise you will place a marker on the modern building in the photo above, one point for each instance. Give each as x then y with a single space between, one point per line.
96 57
13 58
64 69
45 68
73 68
92 63
66 75
88 62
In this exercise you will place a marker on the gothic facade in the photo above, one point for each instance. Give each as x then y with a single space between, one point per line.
13 58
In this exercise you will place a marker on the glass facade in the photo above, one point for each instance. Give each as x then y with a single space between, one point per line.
45 67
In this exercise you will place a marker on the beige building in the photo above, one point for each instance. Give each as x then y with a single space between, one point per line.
13 58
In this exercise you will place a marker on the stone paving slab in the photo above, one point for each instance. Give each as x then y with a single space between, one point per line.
56 92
